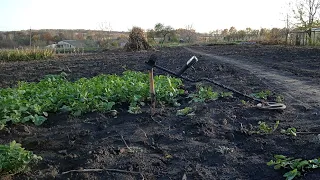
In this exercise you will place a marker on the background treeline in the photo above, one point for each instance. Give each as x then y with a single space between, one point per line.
160 34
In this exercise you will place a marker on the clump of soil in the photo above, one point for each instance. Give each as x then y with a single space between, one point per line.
137 40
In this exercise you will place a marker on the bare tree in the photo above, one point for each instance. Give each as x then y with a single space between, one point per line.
225 32
104 35
163 31
232 30
288 17
105 26
187 34
307 13
190 33
232 33
151 34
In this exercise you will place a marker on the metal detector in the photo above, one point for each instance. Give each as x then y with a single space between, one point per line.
261 104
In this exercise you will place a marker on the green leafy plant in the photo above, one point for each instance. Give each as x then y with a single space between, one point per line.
266 129
243 102
290 131
206 94
263 128
296 167
34 101
134 110
279 99
15 159
262 94
185 111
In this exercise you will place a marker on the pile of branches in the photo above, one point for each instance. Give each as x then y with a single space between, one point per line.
137 40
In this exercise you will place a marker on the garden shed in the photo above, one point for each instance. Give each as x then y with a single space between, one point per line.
301 38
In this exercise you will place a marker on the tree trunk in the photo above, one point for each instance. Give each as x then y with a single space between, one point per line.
309 32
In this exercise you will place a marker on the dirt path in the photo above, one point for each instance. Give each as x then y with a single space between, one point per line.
296 90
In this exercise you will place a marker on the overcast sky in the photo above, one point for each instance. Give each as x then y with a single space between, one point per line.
204 15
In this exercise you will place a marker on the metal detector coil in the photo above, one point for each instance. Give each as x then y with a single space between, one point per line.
271 106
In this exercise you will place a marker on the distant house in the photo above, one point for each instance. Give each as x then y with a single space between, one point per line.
52 46
70 44
122 42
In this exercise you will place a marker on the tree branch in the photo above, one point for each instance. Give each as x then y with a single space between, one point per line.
100 170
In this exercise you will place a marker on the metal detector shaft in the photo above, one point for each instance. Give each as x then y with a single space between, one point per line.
208 80
230 89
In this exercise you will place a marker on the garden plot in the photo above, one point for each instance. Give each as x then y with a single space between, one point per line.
211 136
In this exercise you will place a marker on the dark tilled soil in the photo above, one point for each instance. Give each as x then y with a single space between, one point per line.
300 61
209 145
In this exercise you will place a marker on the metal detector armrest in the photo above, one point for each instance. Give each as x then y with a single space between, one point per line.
152 63
152 60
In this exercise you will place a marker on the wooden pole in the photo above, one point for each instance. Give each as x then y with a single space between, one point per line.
152 92
30 33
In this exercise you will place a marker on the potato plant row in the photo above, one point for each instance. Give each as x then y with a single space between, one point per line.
34 101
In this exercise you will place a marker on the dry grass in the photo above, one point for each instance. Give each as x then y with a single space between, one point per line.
26 54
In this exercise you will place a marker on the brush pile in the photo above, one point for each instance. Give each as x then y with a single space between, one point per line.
137 40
